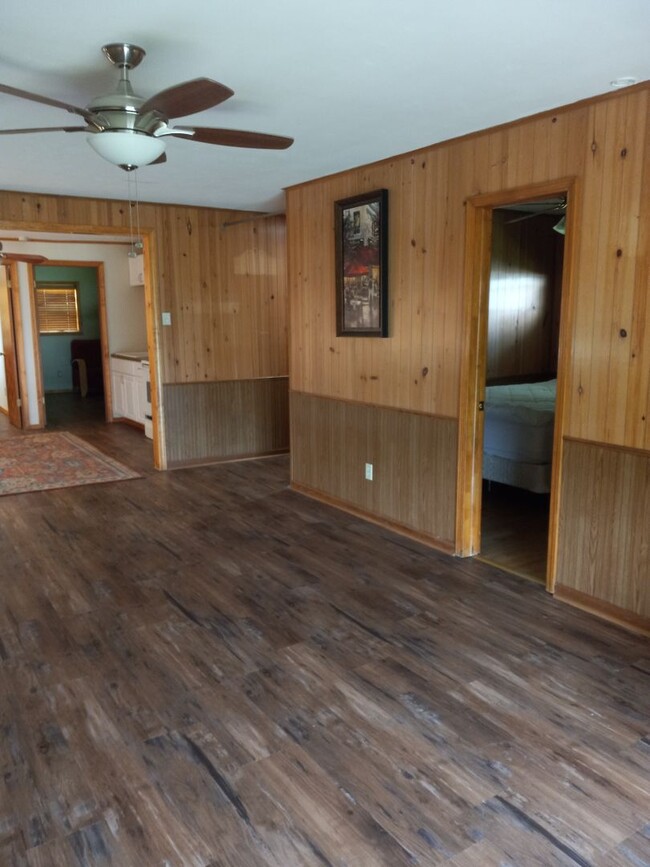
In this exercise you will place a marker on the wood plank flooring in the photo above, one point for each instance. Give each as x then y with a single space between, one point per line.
202 668
514 530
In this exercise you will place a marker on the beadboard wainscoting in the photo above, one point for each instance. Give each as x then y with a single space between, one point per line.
212 421
413 457
604 556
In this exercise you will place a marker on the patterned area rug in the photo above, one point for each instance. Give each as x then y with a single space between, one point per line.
40 462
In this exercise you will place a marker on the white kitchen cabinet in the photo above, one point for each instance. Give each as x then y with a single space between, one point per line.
128 383
118 394
136 270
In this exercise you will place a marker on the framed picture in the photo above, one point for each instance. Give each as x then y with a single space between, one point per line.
362 265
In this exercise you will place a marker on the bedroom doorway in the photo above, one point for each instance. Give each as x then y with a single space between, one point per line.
523 323
517 285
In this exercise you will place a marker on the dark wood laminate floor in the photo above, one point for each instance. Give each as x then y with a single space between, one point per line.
203 668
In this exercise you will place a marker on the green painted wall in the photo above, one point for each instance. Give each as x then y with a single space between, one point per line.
55 348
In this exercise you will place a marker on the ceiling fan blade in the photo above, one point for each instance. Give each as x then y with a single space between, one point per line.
44 129
235 138
187 98
525 217
22 257
558 210
35 97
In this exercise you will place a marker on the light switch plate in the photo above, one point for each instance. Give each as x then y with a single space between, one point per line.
166 318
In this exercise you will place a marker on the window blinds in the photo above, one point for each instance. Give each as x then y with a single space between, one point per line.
57 309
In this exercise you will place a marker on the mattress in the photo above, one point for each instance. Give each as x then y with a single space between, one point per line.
519 421
531 477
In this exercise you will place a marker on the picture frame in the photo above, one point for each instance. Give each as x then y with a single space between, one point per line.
361 235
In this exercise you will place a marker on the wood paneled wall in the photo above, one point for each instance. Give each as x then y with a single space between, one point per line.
604 526
226 420
522 321
225 285
604 144
413 457
222 280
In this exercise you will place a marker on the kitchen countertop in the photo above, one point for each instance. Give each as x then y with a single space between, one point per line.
131 356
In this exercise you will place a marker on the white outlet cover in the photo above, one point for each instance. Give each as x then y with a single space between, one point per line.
166 318
369 472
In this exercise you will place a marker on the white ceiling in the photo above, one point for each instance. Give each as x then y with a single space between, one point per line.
351 80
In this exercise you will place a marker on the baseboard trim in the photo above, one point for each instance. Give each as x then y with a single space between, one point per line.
429 541
123 420
208 462
620 616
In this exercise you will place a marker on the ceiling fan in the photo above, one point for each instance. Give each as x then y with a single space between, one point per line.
31 259
129 130
558 208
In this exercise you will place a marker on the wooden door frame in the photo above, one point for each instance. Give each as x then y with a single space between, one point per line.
103 332
15 406
478 251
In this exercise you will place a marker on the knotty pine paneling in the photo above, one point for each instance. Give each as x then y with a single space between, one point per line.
222 420
522 322
224 286
604 144
611 346
604 523
413 457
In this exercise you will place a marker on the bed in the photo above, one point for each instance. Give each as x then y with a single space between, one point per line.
518 434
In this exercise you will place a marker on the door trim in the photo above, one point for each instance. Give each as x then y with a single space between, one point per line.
478 237
14 410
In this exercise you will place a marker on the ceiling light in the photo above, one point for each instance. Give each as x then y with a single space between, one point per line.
126 148
626 81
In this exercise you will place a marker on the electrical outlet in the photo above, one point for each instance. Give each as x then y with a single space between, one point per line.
166 318
368 472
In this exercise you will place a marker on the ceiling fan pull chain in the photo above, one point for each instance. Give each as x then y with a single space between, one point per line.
131 239
138 242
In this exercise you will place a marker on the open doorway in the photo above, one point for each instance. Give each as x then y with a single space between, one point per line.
522 343
480 211
127 335
71 325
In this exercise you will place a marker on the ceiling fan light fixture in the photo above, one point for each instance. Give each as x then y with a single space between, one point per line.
126 148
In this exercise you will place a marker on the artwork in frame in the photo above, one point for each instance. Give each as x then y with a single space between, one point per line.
362 265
